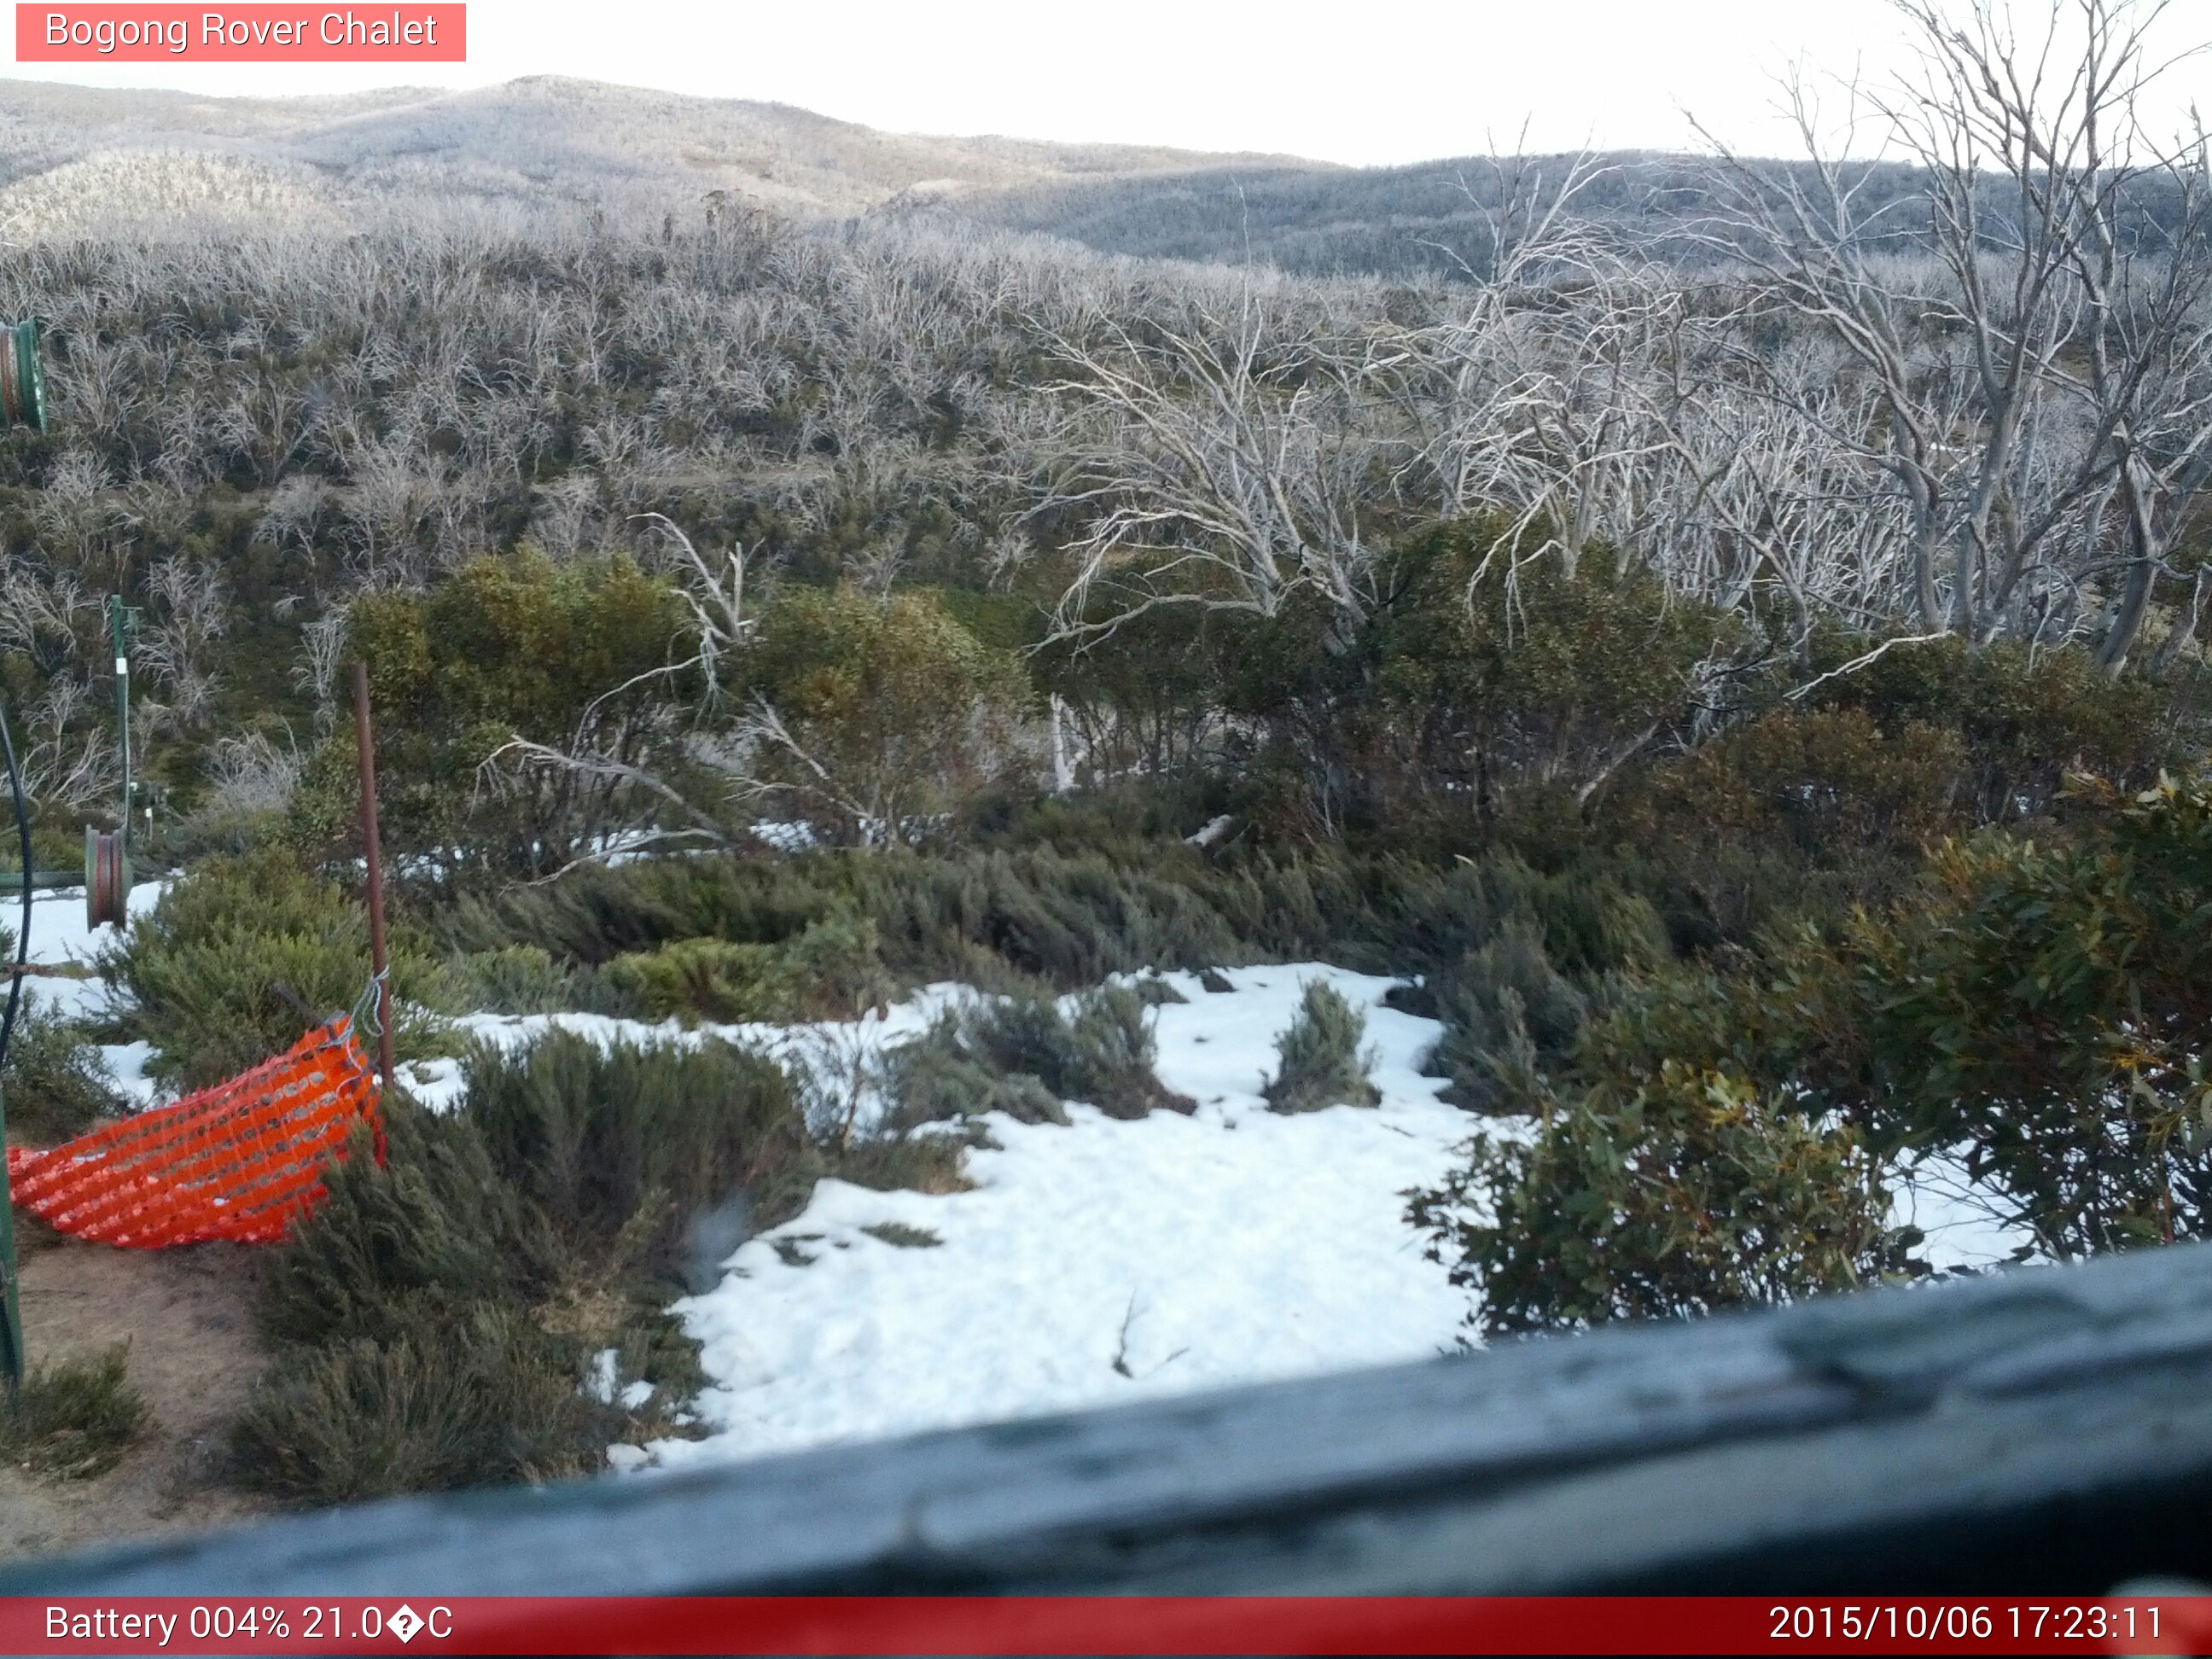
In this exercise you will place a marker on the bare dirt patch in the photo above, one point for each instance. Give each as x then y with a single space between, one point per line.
193 1355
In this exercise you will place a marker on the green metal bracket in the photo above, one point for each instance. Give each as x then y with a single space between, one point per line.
22 377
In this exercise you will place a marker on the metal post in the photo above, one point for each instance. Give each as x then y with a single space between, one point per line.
107 857
364 740
11 1307
117 627
22 402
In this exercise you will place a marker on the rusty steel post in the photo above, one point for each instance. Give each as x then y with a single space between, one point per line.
365 739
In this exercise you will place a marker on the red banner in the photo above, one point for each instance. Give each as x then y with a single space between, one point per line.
1104 1625
304 34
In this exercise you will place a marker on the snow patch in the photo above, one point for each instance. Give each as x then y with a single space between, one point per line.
1103 1262
59 935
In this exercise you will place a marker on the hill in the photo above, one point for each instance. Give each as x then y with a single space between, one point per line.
66 151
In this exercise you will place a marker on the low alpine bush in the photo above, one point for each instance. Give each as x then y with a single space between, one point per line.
1319 1062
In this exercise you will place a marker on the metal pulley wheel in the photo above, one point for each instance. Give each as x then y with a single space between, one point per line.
106 879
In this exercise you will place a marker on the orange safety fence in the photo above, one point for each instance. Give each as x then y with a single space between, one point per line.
240 1160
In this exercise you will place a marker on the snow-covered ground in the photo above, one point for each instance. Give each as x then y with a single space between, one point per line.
59 935
1102 1261
437 1084
58 930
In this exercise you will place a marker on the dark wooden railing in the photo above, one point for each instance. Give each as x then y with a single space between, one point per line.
2046 1431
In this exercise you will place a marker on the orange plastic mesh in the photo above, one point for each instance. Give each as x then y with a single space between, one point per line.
239 1161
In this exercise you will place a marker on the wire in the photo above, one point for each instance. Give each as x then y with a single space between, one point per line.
23 933
368 1007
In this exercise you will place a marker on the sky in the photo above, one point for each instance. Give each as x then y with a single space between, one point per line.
1361 81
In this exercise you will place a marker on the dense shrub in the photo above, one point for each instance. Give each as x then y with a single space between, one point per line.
621 1145
2024 717
1482 931
1830 780
201 970
1147 705
527 979
2047 1006
1693 1193
519 647
424 1235
1023 1056
1462 687
893 711
715 979
942 1077
2038 1010
1507 1011
830 970
1318 1059
55 1083
1111 1043
74 1419
995 919
440 1315
914 1163
487 1397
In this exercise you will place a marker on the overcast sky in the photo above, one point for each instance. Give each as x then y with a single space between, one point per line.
1355 81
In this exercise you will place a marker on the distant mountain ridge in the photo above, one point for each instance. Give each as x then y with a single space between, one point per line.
543 138
85 160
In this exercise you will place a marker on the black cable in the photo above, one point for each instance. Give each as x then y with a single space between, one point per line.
23 933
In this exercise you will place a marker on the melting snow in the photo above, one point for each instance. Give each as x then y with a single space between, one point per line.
1105 1261
59 935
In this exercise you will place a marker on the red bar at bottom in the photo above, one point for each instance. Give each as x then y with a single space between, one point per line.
953 1625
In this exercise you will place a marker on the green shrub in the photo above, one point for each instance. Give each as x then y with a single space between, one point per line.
1013 922
602 1140
942 1077
200 970
438 1316
424 1235
906 1163
1001 920
482 1397
704 979
597 912
525 979
1318 1059
1829 780
1507 1012
827 970
2026 716
75 1419
1021 1055
2045 1006
1798 813
502 648
1112 1046
1461 688
1693 1192
2038 1010
898 710
55 1083
1156 992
